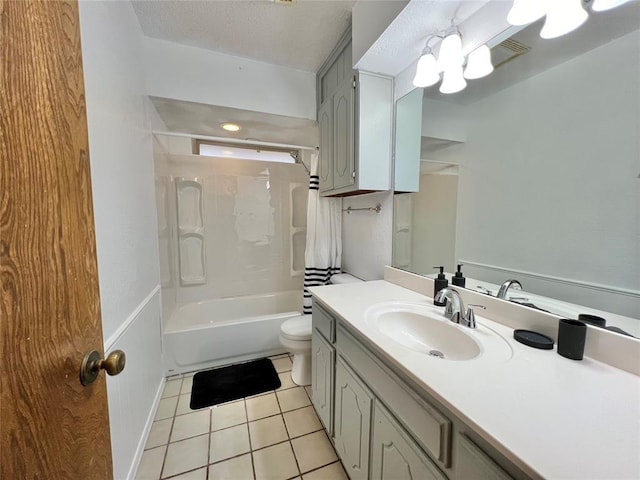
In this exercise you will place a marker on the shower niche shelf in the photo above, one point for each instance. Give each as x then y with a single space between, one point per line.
191 239
298 193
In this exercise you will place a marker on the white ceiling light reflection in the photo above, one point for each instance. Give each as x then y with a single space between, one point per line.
602 5
478 63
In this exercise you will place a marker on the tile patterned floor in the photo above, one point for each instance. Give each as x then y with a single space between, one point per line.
273 436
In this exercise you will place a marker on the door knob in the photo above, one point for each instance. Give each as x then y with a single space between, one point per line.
92 364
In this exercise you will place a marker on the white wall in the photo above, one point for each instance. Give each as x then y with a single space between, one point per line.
367 236
124 206
197 75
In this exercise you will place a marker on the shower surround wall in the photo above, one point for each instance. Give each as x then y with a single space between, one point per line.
227 228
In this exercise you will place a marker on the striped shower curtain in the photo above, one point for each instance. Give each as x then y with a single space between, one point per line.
323 251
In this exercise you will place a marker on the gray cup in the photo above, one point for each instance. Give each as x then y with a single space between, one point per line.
571 338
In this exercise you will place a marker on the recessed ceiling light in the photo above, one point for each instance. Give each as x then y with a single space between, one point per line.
230 127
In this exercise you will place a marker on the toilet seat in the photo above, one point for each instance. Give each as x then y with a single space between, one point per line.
297 328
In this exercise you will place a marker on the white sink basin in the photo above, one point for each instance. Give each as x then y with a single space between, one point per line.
424 329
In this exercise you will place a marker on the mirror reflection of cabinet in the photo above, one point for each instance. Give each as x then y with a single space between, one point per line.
408 132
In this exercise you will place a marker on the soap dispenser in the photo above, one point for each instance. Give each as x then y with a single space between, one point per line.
458 279
439 283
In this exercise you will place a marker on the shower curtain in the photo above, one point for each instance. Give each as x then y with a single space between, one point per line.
323 251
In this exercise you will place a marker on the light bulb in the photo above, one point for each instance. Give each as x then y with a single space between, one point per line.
450 52
524 12
427 72
563 16
453 81
602 5
478 63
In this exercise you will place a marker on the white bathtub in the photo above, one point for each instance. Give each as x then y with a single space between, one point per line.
216 332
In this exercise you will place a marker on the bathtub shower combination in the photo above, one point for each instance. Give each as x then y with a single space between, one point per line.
213 332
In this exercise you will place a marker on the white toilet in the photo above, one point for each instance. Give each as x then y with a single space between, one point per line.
295 336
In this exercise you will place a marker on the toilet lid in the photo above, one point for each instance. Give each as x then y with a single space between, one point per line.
297 328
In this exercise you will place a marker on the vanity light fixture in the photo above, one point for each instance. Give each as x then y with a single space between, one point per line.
427 72
450 63
230 127
478 63
563 16
524 12
453 80
602 5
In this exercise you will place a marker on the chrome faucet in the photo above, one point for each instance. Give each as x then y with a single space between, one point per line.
502 293
454 309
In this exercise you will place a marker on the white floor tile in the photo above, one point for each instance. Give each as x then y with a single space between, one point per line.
262 406
151 464
200 474
228 415
172 388
302 421
275 463
239 468
190 425
159 434
186 455
313 451
330 472
166 408
267 431
229 443
187 383
183 404
282 364
286 381
293 398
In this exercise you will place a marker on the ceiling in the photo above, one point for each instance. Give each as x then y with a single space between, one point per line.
299 35
201 119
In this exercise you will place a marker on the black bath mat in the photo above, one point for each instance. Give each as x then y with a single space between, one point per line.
224 384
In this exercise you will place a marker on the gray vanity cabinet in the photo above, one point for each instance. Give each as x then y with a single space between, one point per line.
322 367
353 404
395 455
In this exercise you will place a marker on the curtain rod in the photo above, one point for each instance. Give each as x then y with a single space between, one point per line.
233 140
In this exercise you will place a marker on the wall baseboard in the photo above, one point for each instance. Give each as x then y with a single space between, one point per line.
145 434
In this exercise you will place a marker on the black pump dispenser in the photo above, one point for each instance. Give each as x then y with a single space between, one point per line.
439 283
458 279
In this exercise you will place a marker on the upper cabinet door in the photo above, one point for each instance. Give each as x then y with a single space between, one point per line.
343 131
325 168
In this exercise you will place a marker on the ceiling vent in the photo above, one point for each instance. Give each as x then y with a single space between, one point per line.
506 51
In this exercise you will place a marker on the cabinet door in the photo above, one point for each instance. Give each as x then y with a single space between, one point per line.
325 167
394 455
474 463
322 364
343 134
353 404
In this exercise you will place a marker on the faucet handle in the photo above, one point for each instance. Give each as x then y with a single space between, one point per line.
471 315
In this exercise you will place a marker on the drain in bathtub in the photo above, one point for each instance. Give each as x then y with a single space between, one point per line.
436 353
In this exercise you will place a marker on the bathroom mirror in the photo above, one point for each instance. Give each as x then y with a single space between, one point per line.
539 164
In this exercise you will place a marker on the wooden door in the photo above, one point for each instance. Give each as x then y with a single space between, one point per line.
51 426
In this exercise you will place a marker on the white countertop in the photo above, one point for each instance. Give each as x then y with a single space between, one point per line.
553 417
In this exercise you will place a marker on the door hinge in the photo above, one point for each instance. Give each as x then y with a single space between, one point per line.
354 82
353 175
